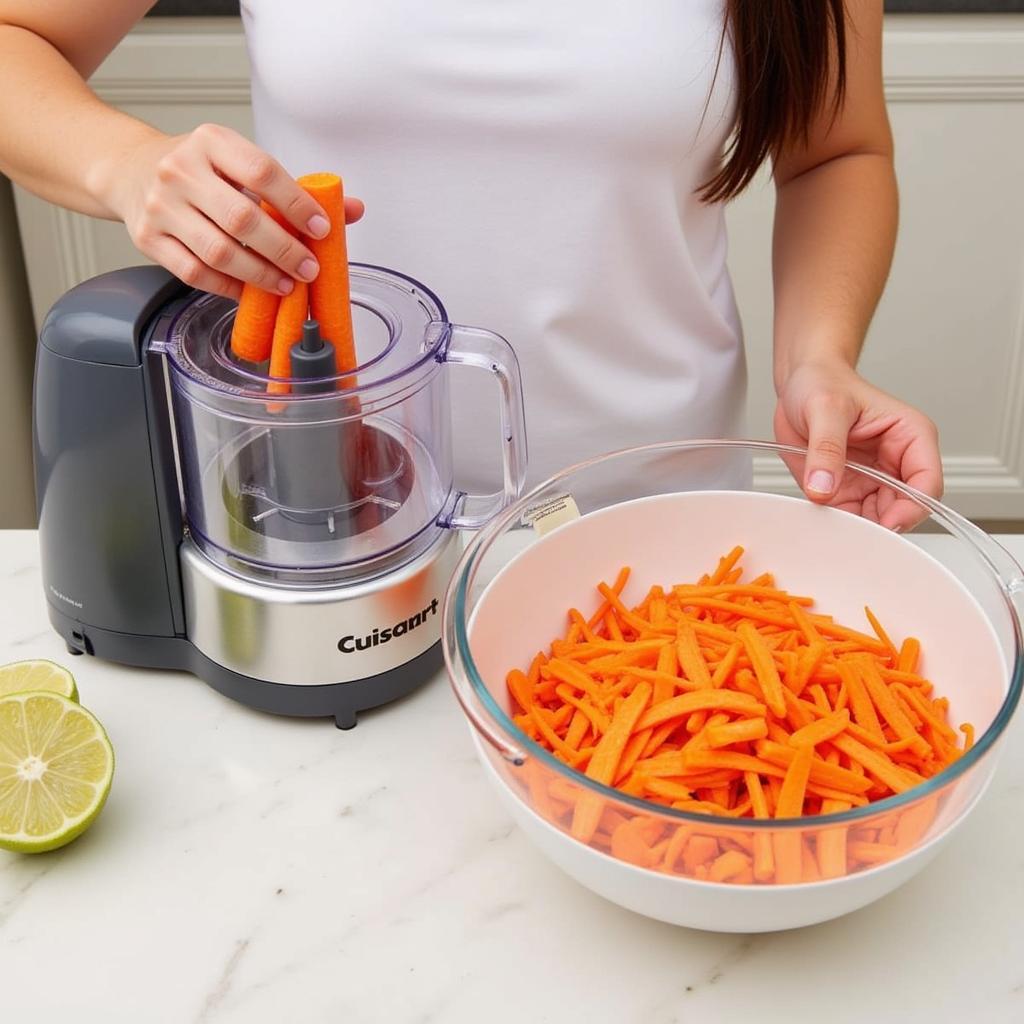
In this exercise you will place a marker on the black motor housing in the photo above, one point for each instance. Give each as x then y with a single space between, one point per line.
110 514
106 490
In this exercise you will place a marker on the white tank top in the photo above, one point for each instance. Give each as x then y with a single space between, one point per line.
535 163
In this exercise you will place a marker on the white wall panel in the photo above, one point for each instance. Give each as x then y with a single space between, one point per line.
949 335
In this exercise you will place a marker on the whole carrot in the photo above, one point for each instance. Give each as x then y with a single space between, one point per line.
253 330
287 330
329 292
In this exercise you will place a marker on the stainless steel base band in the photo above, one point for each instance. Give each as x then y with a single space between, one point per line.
308 637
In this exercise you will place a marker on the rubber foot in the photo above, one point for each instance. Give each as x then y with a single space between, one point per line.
345 719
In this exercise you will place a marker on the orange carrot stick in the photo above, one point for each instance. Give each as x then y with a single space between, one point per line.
691 660
521 689
822 772
794 785
910 654
675 701
291 315
617 587
744 730
252 332
702 700
725 564
821 730
888 708
764 668
881 634
728 865
606 758
899 780
723 672
860 703
789 842
329 292
831 842
578 728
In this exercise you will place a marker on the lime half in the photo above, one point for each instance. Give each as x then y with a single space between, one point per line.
56 765
22 676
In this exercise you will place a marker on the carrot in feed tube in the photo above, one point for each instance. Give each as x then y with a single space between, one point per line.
329 293
291 315
252 332
253 329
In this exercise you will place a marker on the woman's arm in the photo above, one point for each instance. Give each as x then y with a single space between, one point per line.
835 228
179 196
57 137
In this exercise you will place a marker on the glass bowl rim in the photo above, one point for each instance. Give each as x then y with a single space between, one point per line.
457 649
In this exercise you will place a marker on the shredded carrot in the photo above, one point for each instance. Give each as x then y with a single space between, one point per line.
605 761
736 732
910 652
764 668
734 701
725 565
881 633
821 730
728 865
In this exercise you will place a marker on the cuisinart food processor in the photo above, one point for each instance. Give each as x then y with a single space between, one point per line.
289 549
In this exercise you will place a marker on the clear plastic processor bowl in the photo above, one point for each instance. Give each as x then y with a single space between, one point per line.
669 511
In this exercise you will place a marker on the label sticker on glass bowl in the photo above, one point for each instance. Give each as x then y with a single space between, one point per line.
549 514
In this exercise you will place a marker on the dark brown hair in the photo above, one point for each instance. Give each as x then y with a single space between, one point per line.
790 58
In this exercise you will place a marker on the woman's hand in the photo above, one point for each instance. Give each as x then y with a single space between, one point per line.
190 202
838 415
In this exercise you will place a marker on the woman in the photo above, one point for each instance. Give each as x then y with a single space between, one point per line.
557 171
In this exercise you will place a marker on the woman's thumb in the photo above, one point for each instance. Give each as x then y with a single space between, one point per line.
828 426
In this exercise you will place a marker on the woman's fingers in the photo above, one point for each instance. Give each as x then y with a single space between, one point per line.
239 217
920 466
202 192
829 419
354 209
222 253
234 156
188 267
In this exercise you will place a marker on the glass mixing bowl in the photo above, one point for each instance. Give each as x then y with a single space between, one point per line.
664 511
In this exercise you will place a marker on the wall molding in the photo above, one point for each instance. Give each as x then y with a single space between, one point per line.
171 90
971 473
995 88
76 246
205 60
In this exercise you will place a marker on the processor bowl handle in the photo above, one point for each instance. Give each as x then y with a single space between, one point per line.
474 346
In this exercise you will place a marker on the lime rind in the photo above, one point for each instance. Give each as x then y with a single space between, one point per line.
42 675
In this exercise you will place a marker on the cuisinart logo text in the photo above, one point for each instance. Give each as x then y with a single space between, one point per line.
64 597
351 644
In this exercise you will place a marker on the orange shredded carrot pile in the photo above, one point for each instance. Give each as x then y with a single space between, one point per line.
736 700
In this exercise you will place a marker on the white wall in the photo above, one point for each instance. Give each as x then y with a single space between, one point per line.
949 335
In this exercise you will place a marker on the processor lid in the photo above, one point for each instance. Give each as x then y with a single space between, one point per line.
398 325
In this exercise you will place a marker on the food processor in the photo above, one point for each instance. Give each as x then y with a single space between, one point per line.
288 542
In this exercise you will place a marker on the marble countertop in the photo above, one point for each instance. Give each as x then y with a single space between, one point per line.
250 868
